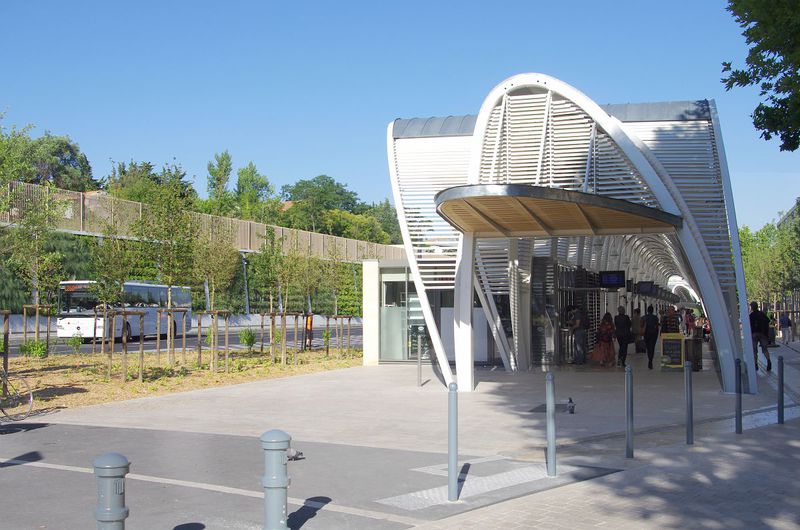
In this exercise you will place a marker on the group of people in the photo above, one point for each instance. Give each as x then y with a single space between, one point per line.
626 330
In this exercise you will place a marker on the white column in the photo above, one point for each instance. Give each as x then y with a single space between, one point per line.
371 282
462 314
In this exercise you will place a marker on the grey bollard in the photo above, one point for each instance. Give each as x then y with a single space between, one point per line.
551 424
110 470
738 365
452 443
687 376
628 412
276 479
780 389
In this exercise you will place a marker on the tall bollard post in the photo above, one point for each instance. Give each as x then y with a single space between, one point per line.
551 424
110 470
628 412
687 378
780 389
419 355
276 479
452 443
738 365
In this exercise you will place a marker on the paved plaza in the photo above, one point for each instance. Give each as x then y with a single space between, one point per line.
375 454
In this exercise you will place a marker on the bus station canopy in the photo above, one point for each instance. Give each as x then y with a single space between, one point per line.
517 210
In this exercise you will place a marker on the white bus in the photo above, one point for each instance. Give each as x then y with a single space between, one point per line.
77 302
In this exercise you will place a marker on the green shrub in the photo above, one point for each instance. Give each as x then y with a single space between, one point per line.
34 348
276 339
326 337
247 337
75 342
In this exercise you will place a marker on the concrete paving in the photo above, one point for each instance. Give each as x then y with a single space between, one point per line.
375 447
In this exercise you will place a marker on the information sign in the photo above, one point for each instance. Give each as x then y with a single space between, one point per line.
672 350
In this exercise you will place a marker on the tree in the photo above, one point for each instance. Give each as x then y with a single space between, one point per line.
255 195
137 181
773 64
216 258
219 172
49 158
354 226
386 215
265 266
29 240
167 234
312 198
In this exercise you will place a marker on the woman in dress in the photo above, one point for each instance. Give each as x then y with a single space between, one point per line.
604 350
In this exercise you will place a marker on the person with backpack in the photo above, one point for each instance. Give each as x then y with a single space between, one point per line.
651 327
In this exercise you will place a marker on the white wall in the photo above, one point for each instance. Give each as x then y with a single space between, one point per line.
371 311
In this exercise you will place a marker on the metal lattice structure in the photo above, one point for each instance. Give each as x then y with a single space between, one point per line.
538 131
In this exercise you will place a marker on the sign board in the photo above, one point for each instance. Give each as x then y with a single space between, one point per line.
672 350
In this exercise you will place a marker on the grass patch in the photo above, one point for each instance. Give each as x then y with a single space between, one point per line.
75 380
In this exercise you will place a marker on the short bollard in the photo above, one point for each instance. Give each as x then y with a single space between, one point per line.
110 470
687 377
738 365
276 479
780 389
628 412
551 424
452 443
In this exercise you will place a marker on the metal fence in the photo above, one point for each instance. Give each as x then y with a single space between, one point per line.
88 213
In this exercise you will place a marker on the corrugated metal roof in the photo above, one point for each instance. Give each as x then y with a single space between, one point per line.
626 112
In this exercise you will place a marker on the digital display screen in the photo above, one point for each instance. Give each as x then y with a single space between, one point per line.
612 279
645 288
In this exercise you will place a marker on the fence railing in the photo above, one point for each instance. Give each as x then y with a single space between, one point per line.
88 213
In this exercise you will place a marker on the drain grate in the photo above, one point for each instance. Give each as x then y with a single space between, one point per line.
560 407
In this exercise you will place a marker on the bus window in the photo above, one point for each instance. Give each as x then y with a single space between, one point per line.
153 299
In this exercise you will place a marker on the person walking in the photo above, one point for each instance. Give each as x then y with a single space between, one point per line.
579 325
786 328
622 326
759 328
604 349
650 327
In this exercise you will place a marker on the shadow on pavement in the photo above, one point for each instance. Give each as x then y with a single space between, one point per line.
308 511
33 456
190 526
11 428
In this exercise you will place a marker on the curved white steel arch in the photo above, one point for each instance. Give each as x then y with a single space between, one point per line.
657 180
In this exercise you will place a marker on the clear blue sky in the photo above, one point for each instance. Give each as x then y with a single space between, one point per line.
305 88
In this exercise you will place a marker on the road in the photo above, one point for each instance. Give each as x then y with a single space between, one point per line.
60 346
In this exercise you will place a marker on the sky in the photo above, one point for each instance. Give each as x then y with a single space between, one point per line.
307 88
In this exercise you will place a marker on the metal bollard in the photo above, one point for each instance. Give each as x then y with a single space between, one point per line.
452 443
628 412
110 470
276 479
780 389
551 424
687 377
738 364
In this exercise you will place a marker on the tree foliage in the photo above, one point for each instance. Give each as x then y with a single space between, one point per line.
113 261
771 30
219 173
216 259
139 181
48 159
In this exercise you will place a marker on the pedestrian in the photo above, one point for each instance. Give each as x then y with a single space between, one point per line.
786 327
622 327
759 328
670 321
650 329
579 325
604 349
636 330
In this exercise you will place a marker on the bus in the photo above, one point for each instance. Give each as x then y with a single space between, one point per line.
77 303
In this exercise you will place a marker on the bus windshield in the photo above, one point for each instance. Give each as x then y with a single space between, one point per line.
76 298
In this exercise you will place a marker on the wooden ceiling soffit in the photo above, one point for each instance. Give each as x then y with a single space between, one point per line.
521 210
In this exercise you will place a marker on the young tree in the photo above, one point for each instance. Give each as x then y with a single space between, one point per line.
216 258
29 241
167 233
773 64
265 266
